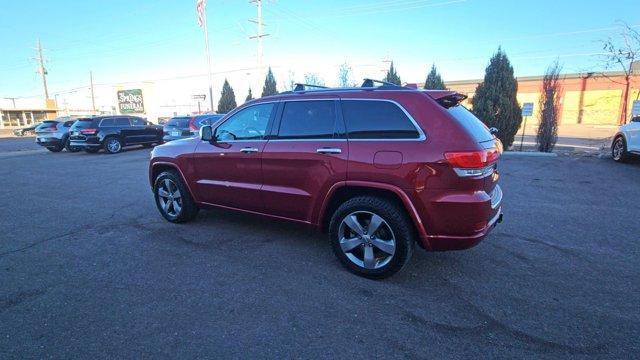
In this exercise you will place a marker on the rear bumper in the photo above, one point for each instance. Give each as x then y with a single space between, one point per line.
459 220
48 141
89 141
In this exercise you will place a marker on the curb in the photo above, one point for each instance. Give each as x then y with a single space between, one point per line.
529 154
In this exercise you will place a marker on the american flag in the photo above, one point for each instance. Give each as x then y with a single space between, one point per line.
200 4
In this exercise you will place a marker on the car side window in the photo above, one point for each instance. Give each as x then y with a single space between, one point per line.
314 119
247 124
370 119
137 122
122 121
108 122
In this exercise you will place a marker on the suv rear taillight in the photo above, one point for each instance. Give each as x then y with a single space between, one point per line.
90 131
192 125
473 163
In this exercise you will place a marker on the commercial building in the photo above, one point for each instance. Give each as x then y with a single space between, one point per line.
585 98
16 118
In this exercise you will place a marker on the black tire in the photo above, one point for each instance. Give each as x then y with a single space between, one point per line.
188 209
92 150
396 220
56 148
619 149
69 148
112 145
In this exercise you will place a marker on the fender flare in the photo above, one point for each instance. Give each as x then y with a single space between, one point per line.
404 198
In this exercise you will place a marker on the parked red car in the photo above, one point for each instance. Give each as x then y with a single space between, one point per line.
379 168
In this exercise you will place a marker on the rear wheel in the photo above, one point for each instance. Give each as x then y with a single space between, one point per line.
619 150
112 145
371 236
173 198
56 148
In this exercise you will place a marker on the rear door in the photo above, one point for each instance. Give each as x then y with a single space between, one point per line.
633 129
306 156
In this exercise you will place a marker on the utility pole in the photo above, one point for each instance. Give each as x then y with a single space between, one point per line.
259 35
93 97
42 70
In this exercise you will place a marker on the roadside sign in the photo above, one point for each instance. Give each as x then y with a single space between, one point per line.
130 101
527 109
199 97
635 110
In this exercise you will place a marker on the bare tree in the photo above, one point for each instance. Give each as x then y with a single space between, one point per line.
549 108
344 76
313 79
622 52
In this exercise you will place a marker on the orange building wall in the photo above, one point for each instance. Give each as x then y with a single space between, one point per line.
585 99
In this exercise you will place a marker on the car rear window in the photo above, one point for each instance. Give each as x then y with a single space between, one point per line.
47 125
308 120
83 123
476 128
179 122
371 119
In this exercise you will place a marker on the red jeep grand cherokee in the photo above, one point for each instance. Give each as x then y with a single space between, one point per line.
378 167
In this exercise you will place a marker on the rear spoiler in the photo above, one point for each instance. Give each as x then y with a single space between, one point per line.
447 99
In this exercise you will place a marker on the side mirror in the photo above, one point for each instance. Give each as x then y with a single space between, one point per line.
493 130
206 133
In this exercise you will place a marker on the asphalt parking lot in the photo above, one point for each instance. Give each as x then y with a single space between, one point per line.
89 269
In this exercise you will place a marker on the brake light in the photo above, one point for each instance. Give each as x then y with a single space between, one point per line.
89 131
473 163
192 124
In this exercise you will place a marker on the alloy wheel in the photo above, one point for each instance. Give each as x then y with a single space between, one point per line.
618 149
169 198
366 239
114 145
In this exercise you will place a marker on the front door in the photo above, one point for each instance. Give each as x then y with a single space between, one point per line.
307 156
229 169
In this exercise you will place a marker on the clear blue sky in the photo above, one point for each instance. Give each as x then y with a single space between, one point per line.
122 40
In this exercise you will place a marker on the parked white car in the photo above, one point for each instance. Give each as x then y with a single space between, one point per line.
626 141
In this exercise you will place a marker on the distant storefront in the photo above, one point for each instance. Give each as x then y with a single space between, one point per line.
16 118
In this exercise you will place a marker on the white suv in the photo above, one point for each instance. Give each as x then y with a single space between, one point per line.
626 141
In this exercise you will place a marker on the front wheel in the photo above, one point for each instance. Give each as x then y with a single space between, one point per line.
619 150
372 236
173 198
69 148
113 145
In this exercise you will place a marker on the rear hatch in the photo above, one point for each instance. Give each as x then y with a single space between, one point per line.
46 129
178 127
81 128
480 133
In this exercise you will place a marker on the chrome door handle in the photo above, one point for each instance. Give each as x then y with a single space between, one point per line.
249 150
329 151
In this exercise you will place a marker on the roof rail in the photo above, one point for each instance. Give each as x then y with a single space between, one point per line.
370 83
303 87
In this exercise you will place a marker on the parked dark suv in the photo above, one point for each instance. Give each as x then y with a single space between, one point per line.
112 133
379 167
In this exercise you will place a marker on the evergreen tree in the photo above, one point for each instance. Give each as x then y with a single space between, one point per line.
227 99
495 101
392 76
269 87
249 96
549 109
434 81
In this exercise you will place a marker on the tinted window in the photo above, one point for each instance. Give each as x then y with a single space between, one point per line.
108 122
122 121
471 123
368 119
137 122
247 124
179 122
308 120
